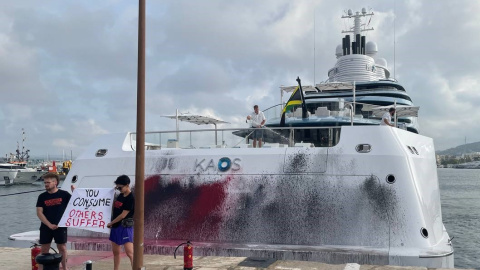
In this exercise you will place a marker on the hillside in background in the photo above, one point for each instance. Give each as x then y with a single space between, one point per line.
461 149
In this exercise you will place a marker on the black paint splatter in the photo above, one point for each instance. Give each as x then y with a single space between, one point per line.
381 197
297 163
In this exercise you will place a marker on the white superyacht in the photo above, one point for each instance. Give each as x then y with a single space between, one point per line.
333 186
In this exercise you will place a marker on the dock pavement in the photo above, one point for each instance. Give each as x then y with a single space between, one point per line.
19 258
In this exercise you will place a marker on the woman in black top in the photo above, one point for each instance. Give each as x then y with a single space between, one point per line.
121 232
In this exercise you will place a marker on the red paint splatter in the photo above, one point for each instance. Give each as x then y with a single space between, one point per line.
151 183
205 210
193 210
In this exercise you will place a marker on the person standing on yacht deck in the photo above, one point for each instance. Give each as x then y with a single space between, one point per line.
387 118
50 207
258 120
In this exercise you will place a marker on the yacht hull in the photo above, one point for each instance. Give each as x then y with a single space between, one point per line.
7 177
25 176
331 204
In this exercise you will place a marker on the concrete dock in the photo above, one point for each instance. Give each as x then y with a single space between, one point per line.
19 258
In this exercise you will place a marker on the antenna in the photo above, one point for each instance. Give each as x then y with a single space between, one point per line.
314 39
394 15
23 144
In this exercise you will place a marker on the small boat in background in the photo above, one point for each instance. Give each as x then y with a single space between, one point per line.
52 167
8 172
28 175
19 163
21 170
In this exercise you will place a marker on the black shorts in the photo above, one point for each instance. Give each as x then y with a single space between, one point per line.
257 133
60 235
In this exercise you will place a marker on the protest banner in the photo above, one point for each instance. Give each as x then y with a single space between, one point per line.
89 208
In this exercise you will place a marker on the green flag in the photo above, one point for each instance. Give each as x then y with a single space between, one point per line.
295 99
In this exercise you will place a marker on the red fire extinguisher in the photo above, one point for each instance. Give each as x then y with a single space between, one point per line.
187 255
34 252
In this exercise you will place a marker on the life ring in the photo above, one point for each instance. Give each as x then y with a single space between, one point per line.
227 162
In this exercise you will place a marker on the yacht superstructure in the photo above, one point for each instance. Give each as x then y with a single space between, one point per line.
359 79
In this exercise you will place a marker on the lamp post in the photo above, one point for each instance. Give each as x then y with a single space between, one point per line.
140 147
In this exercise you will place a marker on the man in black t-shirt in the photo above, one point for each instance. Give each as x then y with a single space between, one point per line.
121 226
50 207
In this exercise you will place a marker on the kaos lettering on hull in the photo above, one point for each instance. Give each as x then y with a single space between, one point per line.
224 164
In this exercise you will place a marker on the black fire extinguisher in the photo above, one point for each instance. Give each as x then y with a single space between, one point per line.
187 255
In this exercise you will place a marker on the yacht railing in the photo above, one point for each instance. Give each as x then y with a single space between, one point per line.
240 138
348 112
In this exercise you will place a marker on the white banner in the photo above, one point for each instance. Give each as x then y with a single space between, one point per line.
89 208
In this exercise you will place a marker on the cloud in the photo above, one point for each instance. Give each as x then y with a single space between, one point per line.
63 143
68 68
55 127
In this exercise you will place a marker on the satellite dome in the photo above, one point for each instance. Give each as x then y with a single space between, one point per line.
371 48
339 51
381 62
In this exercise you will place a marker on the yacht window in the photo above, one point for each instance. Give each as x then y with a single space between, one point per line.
101 152
404 120
319 137
10 167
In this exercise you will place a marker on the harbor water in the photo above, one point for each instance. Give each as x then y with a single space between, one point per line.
460 195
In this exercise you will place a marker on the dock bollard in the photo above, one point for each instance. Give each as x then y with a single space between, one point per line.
88 265
49 261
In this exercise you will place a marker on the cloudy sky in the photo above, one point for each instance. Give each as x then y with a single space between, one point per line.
68 68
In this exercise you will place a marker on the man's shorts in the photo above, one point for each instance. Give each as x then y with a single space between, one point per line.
257 133
121 235
46 235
